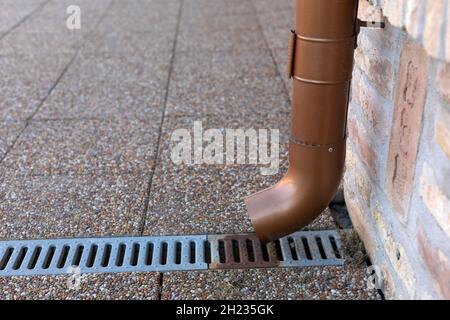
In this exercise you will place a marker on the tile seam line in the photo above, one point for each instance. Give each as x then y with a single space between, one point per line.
30 118
156 154
286 92
166 96
39 8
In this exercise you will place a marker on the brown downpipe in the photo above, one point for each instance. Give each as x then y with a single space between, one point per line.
322 49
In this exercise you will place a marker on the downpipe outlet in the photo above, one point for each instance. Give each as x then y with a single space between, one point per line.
320 64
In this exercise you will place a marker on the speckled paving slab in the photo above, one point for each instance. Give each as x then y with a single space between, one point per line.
69 206
347 282
119 286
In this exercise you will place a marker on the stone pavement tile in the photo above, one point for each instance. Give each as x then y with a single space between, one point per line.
277 19
114 286
36 207
228 39
103 85
194 23
333 283
141 42
273 6
277 37
226 83
21 42
12 13
86 146
138 16
213 8
8 133
25 80
53 16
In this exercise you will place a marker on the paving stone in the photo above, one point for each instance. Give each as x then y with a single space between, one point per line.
11 15
226 83
36 207
229 39
278 19
25 81
104 85
22 42
117 286
332 283
8 133
277 37
123 41
83 147
212 8
53 17
139 16
273 6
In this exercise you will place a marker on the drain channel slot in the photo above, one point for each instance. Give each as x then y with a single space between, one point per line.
178 253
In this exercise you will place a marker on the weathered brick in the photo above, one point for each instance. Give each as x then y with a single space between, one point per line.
443 80
359 220
378 69
412 17
389 285
442 131
371 104
396 253
447 35
358 135
393 9
434 198
433 26
406 126
437 263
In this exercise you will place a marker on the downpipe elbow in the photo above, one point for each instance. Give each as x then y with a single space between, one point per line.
305 191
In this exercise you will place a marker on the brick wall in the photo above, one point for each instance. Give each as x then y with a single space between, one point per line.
397 183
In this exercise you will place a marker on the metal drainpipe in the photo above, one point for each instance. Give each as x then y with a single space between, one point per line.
321 64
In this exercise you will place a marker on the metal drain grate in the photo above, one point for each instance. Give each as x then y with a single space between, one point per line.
300 249
178 253
97 255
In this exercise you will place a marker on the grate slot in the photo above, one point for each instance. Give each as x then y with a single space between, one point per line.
56 256
106 257
63 257
149 254
333 243
250 250
20 257
6 257
327 246
48 257
313 247
33 258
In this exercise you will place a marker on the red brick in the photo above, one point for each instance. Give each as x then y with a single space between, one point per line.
406 127
437 263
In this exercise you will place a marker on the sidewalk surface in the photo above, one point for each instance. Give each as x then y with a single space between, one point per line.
85 121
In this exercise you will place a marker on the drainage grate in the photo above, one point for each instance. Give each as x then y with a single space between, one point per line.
177 253
300 249
98 255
